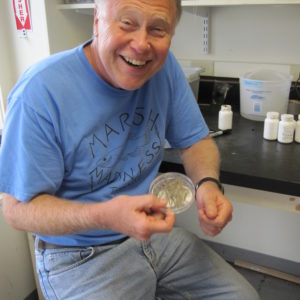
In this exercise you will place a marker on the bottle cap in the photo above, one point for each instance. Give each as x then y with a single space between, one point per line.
226 107
273 115
287 117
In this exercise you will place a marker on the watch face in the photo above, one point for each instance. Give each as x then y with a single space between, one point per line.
176 188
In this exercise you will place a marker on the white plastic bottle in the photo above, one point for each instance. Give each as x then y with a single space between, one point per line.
225 117
297 131
271 126
286 129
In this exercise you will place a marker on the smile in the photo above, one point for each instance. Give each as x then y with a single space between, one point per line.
134 62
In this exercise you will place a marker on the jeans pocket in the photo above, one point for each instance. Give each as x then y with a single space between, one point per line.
62 260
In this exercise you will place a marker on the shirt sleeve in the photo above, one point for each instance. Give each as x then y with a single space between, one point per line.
31 161
186 124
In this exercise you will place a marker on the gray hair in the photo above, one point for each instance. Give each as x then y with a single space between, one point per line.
178 8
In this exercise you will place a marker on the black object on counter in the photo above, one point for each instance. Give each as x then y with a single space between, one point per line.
219 132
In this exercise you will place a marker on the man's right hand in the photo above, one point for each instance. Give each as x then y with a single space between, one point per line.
138 216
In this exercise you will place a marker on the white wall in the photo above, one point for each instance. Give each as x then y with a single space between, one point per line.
67 28
7 67
253 34
27 51
18 53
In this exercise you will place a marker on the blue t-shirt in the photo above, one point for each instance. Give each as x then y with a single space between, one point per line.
70 134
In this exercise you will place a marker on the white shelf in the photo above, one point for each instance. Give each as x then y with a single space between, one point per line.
236 2
76 6
196 3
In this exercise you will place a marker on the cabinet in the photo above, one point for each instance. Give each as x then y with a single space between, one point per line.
263 228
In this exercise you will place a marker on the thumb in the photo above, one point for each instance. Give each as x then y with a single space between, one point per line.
210 208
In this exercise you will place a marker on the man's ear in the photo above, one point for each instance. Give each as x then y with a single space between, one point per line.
96 19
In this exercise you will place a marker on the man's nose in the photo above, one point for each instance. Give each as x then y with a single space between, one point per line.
141 42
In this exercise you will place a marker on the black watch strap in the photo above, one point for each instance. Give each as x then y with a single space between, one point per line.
205 179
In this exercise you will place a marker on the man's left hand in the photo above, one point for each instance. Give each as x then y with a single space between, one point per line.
214 209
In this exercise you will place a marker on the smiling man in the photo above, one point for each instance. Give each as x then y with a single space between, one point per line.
83 140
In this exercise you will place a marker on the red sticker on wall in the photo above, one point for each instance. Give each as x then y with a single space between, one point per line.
22 14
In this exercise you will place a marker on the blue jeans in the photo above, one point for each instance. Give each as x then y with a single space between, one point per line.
173 266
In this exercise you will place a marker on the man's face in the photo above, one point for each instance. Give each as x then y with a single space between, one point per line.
132 39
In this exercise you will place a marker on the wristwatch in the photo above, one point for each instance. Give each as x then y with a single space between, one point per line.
205 179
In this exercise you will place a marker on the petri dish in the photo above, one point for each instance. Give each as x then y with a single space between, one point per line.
176 188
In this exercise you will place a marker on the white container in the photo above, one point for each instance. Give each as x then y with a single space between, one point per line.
286 129
264 91
297 131
271 126
225 117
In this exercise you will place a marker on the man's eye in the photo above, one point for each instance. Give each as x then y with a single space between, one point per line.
158 31
126 23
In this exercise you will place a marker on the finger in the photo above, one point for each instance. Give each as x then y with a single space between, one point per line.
157 215
170 215
223 217
150 203
159 205
204 218
153 223
210 230
210 207
212 227
162 224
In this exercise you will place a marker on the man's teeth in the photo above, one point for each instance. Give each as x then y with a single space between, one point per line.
135 62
